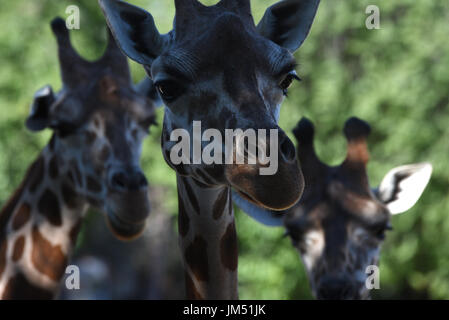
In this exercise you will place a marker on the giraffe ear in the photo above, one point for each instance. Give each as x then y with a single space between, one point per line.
402 187
39 114
134 31
287 23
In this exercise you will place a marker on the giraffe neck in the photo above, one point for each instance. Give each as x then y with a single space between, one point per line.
208 240
38 230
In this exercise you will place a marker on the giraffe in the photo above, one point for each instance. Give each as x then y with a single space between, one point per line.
98 121
217 67
340 223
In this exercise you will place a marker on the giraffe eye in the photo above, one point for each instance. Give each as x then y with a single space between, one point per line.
287 81
169 90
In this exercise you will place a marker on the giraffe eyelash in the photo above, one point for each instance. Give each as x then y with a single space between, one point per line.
287 81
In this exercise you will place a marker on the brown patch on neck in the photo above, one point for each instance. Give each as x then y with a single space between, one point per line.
191 197
71 199
19 288
8 210
18 248
183 218
191 290
104 153
9 207
220 204
48 259
53 167
229 248
21 217
37 172
48 206
196 258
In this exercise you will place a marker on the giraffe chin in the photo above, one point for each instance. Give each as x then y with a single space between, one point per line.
123 230
261 204
248 198
278 192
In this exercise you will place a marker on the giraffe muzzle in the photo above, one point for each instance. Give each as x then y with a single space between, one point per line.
128 210
278 191
125 180
122 229
129 204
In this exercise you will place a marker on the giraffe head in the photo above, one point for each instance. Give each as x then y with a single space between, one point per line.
216 66
340 223
98 121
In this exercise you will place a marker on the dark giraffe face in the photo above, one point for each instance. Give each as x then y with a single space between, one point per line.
239 90
338 231
99 121
216 67
340 223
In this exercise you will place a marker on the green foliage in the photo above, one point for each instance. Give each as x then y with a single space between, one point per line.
396 78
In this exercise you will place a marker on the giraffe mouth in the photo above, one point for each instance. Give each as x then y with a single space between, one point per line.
247 197
276 192
122 229
260 202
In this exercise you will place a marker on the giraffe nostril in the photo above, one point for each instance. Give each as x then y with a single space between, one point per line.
128 180
143 182
119 181
287 148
